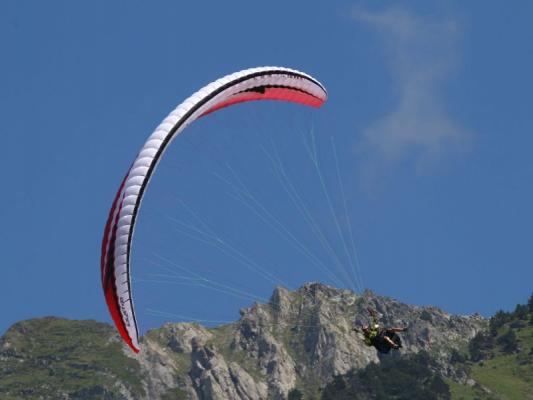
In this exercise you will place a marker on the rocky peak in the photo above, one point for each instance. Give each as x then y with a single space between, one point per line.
297 339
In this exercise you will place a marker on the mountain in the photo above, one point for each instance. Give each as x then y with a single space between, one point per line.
498 364
298 345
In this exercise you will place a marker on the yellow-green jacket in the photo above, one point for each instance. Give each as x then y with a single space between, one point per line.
373 332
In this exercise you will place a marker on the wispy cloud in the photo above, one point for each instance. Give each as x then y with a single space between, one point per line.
420 52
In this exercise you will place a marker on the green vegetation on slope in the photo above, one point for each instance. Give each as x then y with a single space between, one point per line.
504 355
52 357
466 392
409 378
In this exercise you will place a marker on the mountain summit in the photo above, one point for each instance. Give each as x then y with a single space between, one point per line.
295 343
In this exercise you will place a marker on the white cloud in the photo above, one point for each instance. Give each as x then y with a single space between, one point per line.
420 53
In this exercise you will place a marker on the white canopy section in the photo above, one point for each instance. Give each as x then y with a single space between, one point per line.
264 83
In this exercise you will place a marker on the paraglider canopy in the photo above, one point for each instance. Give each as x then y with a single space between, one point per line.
263 83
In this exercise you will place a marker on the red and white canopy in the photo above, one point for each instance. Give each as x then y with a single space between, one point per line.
263 83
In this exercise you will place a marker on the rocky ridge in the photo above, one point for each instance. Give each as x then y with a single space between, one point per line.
298 340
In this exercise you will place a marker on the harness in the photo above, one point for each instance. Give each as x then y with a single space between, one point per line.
373 333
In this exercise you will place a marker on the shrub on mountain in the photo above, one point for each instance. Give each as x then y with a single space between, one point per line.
480 346
457 357
439 387
508 342
521 312
295 394
426 316
498 320
409 377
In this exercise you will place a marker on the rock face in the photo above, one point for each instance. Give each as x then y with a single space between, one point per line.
298 340
213 378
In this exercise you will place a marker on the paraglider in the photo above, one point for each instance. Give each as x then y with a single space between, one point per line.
263 83
383 339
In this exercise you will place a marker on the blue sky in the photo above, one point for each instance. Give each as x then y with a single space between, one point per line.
429 112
